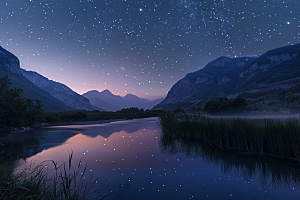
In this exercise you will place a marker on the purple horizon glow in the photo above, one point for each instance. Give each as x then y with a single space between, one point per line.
139 47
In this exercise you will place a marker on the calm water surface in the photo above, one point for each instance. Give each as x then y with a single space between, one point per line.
130 159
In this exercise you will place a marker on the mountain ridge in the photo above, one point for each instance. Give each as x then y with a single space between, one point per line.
10 66
113 102
59 91
233 77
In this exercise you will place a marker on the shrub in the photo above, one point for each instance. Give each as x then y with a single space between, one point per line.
34 182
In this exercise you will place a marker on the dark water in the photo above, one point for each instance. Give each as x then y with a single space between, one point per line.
131 159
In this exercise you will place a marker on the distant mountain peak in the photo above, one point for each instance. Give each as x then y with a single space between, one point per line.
92 91
130 95
106 91
111 102
107 94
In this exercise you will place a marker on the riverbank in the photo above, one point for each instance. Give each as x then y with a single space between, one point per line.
275 137
254 115
42 125
83 118
78 123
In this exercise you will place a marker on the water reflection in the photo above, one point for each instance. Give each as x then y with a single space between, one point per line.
269 171
131 159
21 144
32 142
106 130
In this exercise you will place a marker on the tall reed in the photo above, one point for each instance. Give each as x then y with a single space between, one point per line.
276 137
63 182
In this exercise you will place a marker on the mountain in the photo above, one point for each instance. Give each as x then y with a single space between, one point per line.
103 105
110 102
59 91
10 66
153 103
135 101
108 97
252 77
97 108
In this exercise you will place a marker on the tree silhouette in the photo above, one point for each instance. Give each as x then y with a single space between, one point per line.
226 105
16 112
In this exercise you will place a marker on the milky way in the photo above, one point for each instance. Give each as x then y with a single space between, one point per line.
139 47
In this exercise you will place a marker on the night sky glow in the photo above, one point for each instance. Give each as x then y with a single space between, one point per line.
141 47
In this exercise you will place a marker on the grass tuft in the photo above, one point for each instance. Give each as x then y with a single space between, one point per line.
63 182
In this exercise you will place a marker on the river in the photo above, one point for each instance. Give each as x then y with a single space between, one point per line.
130 159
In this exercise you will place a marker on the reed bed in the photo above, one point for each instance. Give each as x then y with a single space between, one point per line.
269 172
63 182
273 137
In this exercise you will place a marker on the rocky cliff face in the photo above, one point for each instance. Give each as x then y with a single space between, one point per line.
9 61
232 77
59 91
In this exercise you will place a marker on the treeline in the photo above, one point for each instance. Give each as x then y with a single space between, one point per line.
224 104
73 116
281 100
17 112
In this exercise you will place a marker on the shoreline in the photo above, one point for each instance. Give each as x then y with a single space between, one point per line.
44 125
78 123
253 116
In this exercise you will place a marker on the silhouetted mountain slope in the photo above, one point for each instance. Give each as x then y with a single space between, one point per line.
107 96
59 91
110 102
153 103
10 66
134 101
231 77
103 104
97 108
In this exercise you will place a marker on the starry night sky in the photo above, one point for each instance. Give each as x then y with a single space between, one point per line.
141 47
